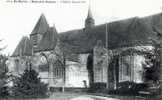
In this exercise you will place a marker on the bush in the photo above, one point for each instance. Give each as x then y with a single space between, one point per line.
4 92
130 88
29 85
97 87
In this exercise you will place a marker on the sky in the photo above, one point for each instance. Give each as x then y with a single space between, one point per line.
18 19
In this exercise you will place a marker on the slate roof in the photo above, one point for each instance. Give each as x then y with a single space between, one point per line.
154 21
24 48
48 41
41 27
123 33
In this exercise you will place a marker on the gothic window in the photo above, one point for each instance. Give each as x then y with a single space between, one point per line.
126 70
58 72
43 60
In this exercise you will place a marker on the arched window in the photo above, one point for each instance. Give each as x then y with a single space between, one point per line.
126 69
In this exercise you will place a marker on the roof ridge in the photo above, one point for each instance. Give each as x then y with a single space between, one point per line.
41 25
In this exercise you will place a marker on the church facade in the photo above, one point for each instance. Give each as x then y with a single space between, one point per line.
108 53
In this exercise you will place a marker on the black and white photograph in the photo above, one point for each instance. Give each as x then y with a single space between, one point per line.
81 50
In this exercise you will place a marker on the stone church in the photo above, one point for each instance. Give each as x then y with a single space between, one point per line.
108 53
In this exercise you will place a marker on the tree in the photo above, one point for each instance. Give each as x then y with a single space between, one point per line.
29 85
3 67
152 68
157 62
3 76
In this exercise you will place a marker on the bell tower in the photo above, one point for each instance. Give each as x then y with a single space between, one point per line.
89 22
39 30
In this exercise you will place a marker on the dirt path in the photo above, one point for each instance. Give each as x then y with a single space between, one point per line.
90 97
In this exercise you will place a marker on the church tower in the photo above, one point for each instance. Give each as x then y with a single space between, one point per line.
89 22
39 30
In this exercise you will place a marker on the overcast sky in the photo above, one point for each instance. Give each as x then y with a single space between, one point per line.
19 19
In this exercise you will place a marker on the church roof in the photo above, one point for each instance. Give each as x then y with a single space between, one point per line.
24 48
42 26
123 33
48 41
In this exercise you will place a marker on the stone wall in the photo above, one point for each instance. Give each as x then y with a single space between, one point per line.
54 75
133 63
77 73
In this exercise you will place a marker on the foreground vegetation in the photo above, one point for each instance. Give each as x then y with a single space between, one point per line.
29 85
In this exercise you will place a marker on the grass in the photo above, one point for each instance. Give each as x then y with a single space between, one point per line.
70 95
63 96
54 96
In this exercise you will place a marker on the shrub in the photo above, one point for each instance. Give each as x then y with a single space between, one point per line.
29 85
97 87
131 88
4 92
